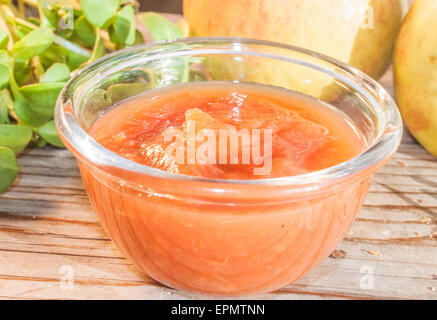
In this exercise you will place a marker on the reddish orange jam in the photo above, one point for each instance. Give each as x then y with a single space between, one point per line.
306 135
217 237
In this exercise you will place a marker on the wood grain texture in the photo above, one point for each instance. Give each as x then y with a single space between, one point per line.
48 228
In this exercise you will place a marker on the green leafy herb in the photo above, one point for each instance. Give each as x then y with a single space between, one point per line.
39 54
4 58
6 98
49 133
4 69
99 13
159 27
4 112
8 168
33 44
42 96
124 26
15 137
4 39
27 114
85 31
4 77
58 72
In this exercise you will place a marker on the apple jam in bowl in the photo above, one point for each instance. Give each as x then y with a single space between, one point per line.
226 166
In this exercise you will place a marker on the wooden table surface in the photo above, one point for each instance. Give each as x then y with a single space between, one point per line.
52 245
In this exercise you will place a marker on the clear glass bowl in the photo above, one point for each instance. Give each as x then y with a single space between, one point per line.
226 237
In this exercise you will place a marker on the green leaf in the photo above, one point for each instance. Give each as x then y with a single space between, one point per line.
42 96
15 137
4 39
65 44
22 75
29 114
4 112
4 58
4 69
54 54
100 13
58 54
34 104
139 39
85 31
113 35
159 27
33 44
4 77
6 98
49 133
8 168
75 60
124 26
58 72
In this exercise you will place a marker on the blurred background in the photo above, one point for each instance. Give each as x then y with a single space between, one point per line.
174 6
170 6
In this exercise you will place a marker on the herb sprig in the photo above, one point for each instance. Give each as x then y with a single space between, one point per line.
43 42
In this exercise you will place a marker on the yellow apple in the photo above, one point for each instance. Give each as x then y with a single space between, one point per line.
415 72
358 32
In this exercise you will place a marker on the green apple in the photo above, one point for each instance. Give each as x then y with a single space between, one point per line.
415 72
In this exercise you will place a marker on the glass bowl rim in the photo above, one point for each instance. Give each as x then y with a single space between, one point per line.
381 149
